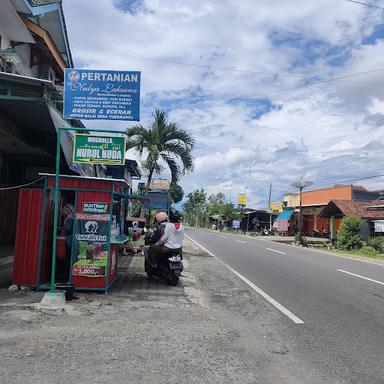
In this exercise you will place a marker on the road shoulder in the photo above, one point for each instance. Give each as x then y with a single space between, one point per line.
211 328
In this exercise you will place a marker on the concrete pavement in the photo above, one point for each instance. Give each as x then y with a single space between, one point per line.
211 328
340 300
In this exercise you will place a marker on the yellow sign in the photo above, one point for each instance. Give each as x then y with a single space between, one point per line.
276 206
242 199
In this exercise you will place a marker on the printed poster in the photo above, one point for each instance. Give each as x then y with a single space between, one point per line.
91 245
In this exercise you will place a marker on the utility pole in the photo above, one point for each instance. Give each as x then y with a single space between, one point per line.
301 184
269 206
249 197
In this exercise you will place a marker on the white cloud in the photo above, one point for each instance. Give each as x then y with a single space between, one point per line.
318 131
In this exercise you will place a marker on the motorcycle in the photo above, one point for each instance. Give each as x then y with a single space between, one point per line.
265 232
169 266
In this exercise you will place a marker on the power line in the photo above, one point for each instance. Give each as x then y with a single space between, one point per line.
208 66
317 82
282 90
277 75
366 4
360 178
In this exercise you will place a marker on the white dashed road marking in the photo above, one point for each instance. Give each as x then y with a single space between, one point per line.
258 290
275 250
361 277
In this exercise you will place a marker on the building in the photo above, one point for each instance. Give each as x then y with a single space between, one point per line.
129 172
314 201
256 220
34 51
371 211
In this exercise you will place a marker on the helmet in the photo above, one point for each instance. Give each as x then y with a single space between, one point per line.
174 217
161 217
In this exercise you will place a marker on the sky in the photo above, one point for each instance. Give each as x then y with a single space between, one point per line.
273 91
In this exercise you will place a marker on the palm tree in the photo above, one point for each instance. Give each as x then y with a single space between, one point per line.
162 142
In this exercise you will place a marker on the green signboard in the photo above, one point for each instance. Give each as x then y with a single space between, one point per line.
91 149
92 207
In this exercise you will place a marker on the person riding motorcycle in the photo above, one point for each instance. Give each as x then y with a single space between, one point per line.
160 219
170 241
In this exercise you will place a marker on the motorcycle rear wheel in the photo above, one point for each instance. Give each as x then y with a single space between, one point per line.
147 269
172 279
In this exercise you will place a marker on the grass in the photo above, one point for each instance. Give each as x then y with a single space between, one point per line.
378 256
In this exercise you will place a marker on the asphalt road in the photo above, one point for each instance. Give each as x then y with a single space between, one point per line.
339 300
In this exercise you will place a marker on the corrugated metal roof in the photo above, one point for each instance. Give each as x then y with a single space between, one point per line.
38 3
285 215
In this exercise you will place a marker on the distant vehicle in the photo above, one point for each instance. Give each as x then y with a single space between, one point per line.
266 232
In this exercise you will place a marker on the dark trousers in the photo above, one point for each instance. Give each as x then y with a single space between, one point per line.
157 251
63 265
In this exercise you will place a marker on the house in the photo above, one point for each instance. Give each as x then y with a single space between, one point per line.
34 51
371 211
314 201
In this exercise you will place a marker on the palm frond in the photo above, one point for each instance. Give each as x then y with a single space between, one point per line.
177 134
163 140
176 149
137 130
173 167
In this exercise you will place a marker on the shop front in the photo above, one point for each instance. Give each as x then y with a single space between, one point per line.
284 225
91 232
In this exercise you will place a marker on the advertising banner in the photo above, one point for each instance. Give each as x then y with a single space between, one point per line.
91 207
242 199
91 149
276 206
282 225
158 200
379 226
103 95
91 245
236 224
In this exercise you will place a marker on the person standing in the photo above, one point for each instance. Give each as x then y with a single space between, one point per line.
68 212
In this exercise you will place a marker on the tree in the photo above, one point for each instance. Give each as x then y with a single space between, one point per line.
195 207
162 142
218 198
348 236
176 193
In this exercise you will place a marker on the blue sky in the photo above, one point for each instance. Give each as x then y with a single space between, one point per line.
241 77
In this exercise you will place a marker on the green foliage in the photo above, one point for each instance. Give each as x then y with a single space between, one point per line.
216 199
377 243
301 240
369 251
348 236
200 210
162 143
195 207
176 193
217 207
136 206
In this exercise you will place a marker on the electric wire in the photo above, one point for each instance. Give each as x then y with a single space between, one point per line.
208 66
366 4
277 75
21 186
320 82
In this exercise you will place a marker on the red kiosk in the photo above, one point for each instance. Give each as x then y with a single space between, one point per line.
98 232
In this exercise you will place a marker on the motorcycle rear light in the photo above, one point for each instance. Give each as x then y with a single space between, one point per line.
174 259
